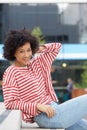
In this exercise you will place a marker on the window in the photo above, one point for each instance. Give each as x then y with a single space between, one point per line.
60 38
63 38
1 7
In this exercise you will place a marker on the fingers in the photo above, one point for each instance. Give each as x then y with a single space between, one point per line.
47 109
41 47
50 112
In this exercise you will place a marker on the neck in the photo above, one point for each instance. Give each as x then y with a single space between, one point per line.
19 65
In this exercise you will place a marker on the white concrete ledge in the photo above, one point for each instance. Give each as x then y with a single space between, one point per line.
9 119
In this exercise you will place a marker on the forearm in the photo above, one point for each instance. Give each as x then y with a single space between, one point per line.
49 47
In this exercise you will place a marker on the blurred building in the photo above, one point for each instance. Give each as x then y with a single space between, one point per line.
46 16
75 14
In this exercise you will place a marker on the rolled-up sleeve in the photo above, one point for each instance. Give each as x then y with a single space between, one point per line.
48 55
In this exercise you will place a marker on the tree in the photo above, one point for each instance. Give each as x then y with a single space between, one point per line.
83 83
84 75
38 34
84 78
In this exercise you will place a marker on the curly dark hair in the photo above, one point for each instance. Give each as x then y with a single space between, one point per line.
16 39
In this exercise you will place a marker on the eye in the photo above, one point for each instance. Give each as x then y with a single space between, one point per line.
29 50
21 51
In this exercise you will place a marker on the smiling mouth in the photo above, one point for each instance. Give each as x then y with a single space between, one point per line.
26 60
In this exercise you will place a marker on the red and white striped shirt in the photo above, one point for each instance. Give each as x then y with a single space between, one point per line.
24 87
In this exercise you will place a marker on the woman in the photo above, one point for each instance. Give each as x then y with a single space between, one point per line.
27 84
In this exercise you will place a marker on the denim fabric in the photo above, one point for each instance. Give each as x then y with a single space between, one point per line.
68 115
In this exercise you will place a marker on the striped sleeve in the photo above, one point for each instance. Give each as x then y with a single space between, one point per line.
12 98
48 55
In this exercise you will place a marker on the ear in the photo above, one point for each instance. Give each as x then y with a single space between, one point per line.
15 55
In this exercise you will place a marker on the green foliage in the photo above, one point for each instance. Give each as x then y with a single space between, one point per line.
39 35
84 78
84 75
83 83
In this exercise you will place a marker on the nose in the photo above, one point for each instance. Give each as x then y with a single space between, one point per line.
26 54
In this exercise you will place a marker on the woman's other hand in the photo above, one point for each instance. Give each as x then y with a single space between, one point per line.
47 109
41 48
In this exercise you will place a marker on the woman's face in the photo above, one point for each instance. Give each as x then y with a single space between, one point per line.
23 55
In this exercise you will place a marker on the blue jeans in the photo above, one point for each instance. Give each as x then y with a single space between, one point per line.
68 115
